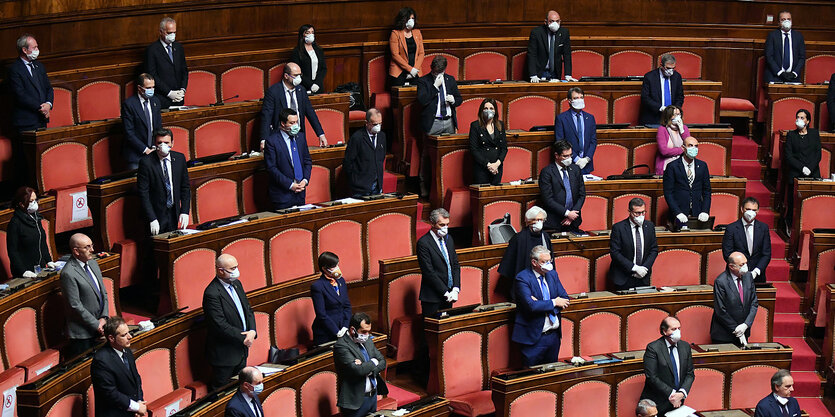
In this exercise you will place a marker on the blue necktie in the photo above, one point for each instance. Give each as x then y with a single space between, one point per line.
368 358
234 295
546 295
125 360
448 266
569 199
169 198
675 368
579 122
667 96
95 287
442 97
297 160
786 51
170 54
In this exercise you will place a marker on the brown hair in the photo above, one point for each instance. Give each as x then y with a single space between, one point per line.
497 124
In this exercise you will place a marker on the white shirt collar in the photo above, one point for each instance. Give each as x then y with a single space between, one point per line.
781 400
669 345
119 353
168 157
80 262
165 45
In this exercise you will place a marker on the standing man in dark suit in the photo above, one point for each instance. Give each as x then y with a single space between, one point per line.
365 156
441 274
661 88
230 322
549 47
633 248
687 185
540 298
141 118
785 52
668 367
288 93
330 300
245 402
30 86
780 402
288 162
165 60
751 237
358 366
83 288
116 382
562 190
163 184
579 129
517 255
734 302
830 103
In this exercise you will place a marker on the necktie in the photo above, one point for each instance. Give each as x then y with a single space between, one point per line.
293 105
749 236
368 358
448 266
675 368
785 410
579 122
546 295
35 78
170 53
257 407
95 286
551 49
690 176
668 98
125 360
234 295
739 286
374 141
569 199
169 198
442 98
336 288
147 108
297 160
639 246
786 51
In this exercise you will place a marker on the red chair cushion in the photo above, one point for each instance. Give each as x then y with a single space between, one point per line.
600 333
216 137
736 104
291 254
61 113
253 272
345 238
40 363
170 403
697 319
98 100
201 89
292 323
404 331
477 403
246 82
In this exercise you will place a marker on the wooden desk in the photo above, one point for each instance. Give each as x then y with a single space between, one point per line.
46 207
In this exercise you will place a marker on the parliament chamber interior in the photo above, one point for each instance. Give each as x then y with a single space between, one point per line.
450 172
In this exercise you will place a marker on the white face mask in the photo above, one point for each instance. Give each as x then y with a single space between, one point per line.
668 72
235 274
800 123
638 220
786 25
554 26
362 338
578 104
547 266
163 149
749 215
743 270
537 226
410 24
676 336
308 39
488 114
375 129
169 38
33 207
297 80
33 55
677 120
442 231
566 161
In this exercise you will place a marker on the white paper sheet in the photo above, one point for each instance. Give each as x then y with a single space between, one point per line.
80 211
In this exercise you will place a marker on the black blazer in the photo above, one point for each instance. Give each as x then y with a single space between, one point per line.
300 56
114 384
364 163
26 242
679 194
652 96
238 406
136 127
622 248
350 392
168 75
433 281
734 240
802 152
276 99
333 312
658 370
279 164
29 91
552 194
538 51
427 96
774 54
769 407
151 186
486 149
728 310
830 103
224 341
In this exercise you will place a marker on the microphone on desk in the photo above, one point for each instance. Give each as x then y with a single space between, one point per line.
578 245
220 103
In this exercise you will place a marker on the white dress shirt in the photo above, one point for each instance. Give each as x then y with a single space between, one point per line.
783 40
448 108
167 167
314 63
251 403
678 365
632 227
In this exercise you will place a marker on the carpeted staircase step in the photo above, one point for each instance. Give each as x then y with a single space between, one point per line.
788 325
812 406
744 148
766 215
788 300
778 245
778 270
758 190
402 396
747 169
807 384
803 357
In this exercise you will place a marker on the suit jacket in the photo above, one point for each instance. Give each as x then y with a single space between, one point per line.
168 75
565 127
239 407
679 194
830 103
728 310
427 96
280 169
86 305
769 407
552 194
774 54
734 240
486 149
658 370
802 152
224 342
538 51
29 91
652 96
622 248
276 99
151 186
530 314
301 57
136 127
26 242
433 281
400 53
350 376
114 384
333 311
364 162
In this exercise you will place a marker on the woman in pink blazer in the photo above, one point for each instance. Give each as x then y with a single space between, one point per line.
670 136
406 45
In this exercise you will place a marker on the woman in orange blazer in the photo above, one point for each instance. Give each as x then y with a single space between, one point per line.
406 44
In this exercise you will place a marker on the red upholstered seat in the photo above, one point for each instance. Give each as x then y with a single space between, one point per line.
645 154
194 263
517 164
376 73
815 212
280 403
736 104
824 123
696 319
260 349
819 68
539 403
244 81
629 62
477 403
201 89
291 254
189 360
485 65
124 235
252 137
610 159
596 105
344 238
276 73
318 395
677 267
748 383
595 211
688 64
699 108
574 272
585 63
500 353
714 156
216 199
724 206
9 378
600 333
403 312
456 176
588 398
22 346
254 199
759 330
411 132
109 288
628 393
620 206
707 390
467 112
106 157
601 271
68 173
98 100
567 345
715 265
463 376
626 109
783 113
319 189
471 291
519 66
638 333
292 323
544 157
497 290
52 330
70 405
661 211
90 402
250 255
216 137
155 365
389 236
825 163
130 89
61 113
496 210
529 111
451 68
333 123
181 141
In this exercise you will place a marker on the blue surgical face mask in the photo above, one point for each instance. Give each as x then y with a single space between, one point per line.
294 129
692 152
149 92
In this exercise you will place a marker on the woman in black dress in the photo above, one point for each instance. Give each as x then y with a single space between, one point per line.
801 156
488 144
25 236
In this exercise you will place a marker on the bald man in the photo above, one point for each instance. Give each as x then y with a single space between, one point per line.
82 287
245 402
687 185
289 93
365 156
230 321
549 49
734 302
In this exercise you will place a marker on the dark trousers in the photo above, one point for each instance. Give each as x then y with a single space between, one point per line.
76 347
296 200
429 309
546 350
222 374
168 220
632 282
369 405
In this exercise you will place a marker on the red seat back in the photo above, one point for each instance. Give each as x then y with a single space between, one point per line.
696 319
638 333
61 113
461 364
201 89
485 65
815 212
517 164
280 403
389 236
456 175
585 63
120 216
190 358
98 100
155 365
291 255
620 206
333 124
567 349
318 395
70 405
627 109
109 285
182 141
276 73
645 154
587 398
344 238
628 394
216 199
518 66
500 353
601 272
784 110
599 333
467 112
688 64
699 108
471 290
319 189
819 68
5 262
260 349
402 298
824 124
528 111
534 403
825 163
748 385
610 159
724 206
254 200
708 390
106 158
292 323
194 263
250 253
9 379
544 157
595 105
216 137
715 265
497 291
497 210
686 263
629 62
574 272
376 73
661 211
451 67
246 82
6 161
759 330
595 211
20 336
64 165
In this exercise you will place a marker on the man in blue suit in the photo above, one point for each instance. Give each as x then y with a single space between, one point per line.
562 190
687 184
750 237
288 162
140 117
661 88
245 402
579 129
780 402
288 93
540 297
785 52
32 91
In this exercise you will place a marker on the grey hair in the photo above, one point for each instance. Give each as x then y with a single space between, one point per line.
438 214
777 378
370 113
23 42
535 211
539 250
164 22
667 58
644 406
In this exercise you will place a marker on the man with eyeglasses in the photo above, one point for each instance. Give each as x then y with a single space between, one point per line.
230 322
81 284
633 248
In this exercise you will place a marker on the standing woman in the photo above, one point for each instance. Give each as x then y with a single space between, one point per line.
330 300
25 236
801 157
311 59
488 144
670 136
406 45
